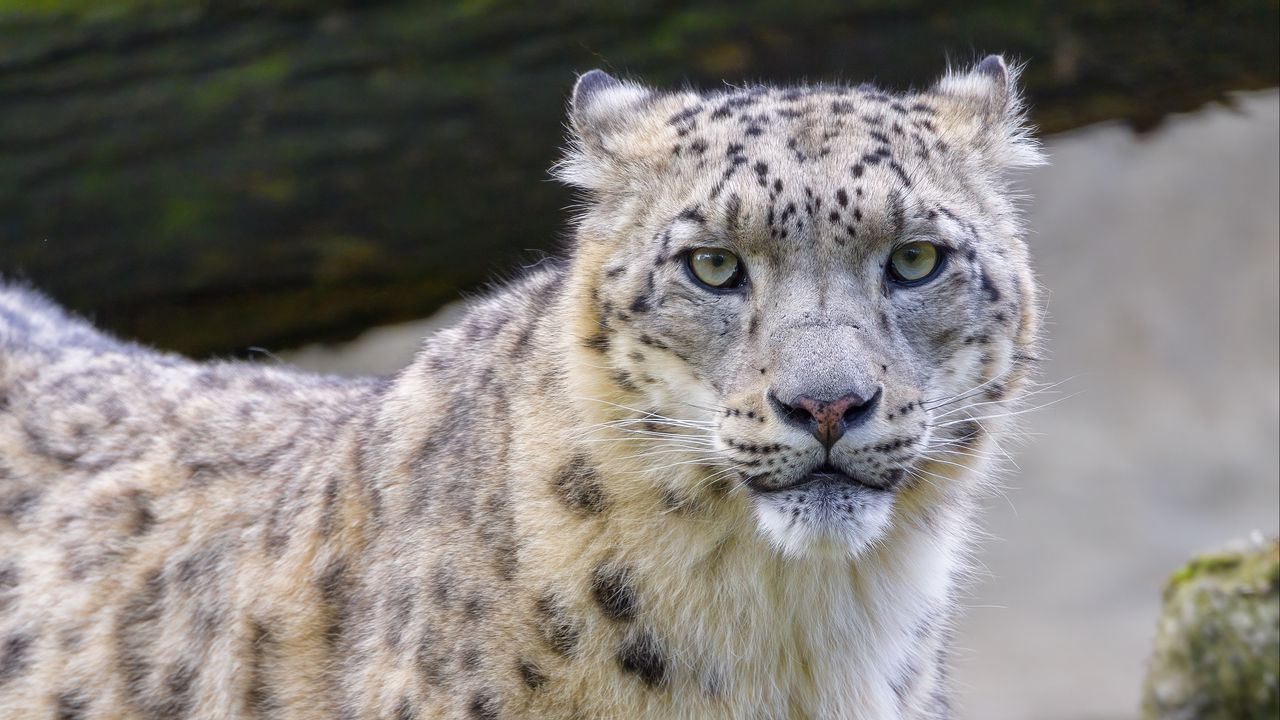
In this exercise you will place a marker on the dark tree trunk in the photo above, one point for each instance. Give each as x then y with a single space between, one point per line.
207 177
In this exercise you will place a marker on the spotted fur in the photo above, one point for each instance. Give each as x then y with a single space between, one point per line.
581 502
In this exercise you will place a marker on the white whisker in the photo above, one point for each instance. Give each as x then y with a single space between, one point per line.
1011 413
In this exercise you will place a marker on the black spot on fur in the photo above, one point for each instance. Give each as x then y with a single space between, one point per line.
72 705
405 710
259 697
497 532
642 656
8 576
398 605
599 341
275 537
623 380
897 213
15 505
989 287
470 659
578 486
136 632
198 565
762 172
437 363
613 589
559 630
531 675
142 520
207 617
444 585
486 326
484 706
329 507
524 341
902 175
685 115
476 607
14 655
430 658
332 582
177 696
693 215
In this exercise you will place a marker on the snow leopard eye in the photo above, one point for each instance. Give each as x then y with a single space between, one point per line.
915 263
715 268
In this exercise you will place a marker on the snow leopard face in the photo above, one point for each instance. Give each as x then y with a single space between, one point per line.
824 289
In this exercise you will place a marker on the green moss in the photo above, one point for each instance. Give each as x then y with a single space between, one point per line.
223 88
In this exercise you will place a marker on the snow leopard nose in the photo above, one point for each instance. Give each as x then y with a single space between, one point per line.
827 420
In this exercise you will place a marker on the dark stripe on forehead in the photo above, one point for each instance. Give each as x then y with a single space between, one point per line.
967 226
733 216
686 115
693 214
897 213
737 159
902 174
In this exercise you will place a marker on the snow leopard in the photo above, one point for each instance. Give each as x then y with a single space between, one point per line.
722 460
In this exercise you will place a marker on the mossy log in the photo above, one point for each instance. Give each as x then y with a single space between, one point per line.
209 176
1217 651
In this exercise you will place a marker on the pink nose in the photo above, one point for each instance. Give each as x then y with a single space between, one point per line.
828 420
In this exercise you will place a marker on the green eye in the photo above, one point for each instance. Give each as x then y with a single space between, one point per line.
716 268
915 262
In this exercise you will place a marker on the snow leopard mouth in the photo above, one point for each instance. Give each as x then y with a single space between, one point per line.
825 476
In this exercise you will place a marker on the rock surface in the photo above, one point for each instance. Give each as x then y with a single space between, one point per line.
1217 651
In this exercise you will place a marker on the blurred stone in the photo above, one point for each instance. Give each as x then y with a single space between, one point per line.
1217 652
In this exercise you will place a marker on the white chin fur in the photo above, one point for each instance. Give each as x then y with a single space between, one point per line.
847 521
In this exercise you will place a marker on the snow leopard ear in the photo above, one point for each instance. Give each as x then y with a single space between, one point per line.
984 110
601 102
609 119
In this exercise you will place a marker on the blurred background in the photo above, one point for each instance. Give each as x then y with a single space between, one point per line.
313 182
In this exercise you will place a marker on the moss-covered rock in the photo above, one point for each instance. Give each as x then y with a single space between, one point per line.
1217 652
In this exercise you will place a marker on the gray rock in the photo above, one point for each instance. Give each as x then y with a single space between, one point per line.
1217 651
